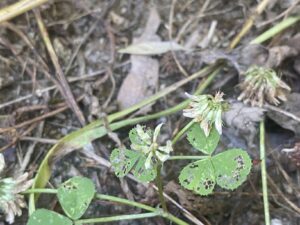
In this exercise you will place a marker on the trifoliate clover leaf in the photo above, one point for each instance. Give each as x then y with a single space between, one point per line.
228 169
123 160
44 216
75 196
203 143
199 177
231 168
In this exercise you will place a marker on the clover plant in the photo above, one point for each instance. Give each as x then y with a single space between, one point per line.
145 158
228 169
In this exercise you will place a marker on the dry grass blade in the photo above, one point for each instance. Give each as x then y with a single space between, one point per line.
19 8
277 189
65 88
249 23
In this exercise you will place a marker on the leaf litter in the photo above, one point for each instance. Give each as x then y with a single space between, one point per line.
142 80
67 23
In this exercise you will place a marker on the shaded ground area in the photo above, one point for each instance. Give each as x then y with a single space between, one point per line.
86 36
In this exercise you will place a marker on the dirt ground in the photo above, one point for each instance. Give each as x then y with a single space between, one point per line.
86 36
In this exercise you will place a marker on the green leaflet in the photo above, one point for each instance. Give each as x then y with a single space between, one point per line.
143 138
123 161
75 140
228 169
198 176
231 168
143 174
44 216
198 140
75 196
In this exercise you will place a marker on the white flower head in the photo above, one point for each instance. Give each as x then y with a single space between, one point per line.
207 110
261 85
11 201
149 146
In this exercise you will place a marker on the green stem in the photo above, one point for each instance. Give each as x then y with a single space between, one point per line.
264 172
182 131
40 191
275 30
117 125
160 188
117 218
157 96
124 201
186 157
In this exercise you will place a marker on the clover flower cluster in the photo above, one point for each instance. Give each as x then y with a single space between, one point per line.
207 110
149 146
11 201
262 85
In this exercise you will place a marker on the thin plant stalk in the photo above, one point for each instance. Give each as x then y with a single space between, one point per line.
162 93
159 185
117 218
275 30
63 84
182 131
264 172
249 23
188 157
19 8
154 211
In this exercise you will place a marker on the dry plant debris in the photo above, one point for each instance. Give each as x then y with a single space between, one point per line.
86 37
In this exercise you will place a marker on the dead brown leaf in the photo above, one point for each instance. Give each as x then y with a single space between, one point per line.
244 57
195 203
292 106
243 120
142 80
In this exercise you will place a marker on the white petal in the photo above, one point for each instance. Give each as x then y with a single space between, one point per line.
189 113
148 161
166 149
156 132
192 97
2 162
205 127
162 157
218 121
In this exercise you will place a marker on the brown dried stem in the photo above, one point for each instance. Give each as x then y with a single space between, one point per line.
19 8
64 86
249 23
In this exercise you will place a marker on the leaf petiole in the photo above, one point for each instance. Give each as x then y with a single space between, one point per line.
117 218
186 157
153 211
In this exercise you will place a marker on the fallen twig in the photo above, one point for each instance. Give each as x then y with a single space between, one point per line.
19 8
64 86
